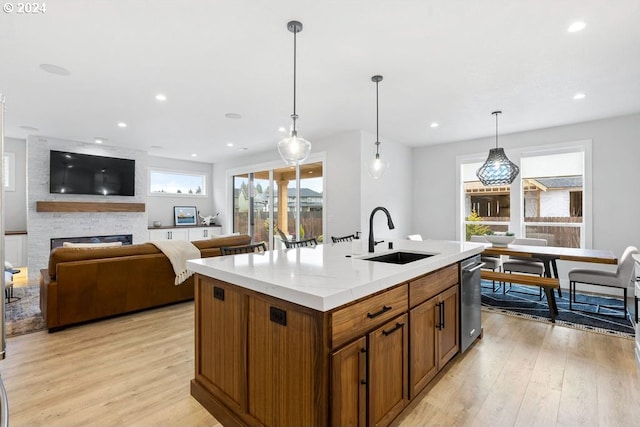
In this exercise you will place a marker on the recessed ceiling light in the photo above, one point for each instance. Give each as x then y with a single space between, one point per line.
229 144
99 140
282 129
579 96
434 125
122 125
54 69
194 155
234 116
31 128
576 26
161 97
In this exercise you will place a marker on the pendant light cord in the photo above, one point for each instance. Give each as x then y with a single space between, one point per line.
496 128
496 113
294 116
377 137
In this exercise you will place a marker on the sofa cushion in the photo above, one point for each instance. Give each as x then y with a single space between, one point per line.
91 245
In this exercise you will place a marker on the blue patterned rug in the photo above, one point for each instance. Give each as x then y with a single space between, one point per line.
23 314
523 301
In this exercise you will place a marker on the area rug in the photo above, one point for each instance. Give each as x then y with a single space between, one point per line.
524 302
23 315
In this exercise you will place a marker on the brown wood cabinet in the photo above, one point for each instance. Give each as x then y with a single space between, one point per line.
434 337
385 352
261 360
349 385
285 373
448 332
388 371
220 329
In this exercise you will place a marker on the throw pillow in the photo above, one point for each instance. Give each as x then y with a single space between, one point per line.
91 245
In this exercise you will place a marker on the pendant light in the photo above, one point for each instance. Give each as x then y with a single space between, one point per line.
497 169
294 149
377 167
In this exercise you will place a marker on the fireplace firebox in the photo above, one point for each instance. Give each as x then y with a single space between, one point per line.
126 239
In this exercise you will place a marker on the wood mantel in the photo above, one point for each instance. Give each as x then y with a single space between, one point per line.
49 206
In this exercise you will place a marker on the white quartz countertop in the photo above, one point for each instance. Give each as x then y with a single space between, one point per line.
329 275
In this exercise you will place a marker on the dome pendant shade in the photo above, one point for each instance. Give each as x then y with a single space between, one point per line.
497 169
294 149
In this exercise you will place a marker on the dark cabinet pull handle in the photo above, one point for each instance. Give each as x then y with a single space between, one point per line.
440 324
362 362
395 328
385 308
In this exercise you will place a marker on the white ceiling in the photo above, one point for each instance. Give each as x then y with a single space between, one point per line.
449 61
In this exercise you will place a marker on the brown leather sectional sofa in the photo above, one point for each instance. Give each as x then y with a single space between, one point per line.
86 284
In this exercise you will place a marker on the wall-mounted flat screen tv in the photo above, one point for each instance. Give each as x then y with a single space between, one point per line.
74 173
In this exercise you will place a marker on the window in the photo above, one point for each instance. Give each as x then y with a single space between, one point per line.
548 200
166 182
552 188
9 171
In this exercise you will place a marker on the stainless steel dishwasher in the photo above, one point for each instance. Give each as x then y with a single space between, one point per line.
470 316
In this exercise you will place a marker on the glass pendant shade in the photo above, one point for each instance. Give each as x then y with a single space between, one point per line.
497 169
294 148
377 167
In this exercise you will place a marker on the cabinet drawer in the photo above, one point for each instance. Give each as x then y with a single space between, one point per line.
425 287
358 318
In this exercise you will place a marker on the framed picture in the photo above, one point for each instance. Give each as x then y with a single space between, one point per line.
185 215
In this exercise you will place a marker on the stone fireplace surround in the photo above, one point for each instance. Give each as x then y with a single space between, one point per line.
44 226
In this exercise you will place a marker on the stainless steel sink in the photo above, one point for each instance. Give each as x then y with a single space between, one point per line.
399 257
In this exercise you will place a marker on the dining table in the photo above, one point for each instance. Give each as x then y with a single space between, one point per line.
548 255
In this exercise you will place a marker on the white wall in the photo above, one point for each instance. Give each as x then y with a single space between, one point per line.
393 190
343 180
616 203
160 207
15 202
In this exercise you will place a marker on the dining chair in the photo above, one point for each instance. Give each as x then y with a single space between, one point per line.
417 237
301 243
613 279
247 249
515 264
490 262
348 238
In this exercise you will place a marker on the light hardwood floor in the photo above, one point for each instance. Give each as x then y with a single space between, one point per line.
135 370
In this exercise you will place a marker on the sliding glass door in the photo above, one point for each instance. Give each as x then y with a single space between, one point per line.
290 198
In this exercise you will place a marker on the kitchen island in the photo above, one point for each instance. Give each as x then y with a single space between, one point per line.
321 336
